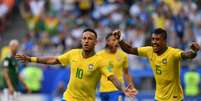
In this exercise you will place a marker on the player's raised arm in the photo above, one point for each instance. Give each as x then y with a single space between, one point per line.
128 91
195 47
125 46
44 60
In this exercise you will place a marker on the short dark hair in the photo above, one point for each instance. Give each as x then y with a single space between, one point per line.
160 31
108 35
90 30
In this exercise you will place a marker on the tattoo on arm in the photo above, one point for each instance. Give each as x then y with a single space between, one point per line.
127 48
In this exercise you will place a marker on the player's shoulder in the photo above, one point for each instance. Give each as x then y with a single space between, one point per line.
145 48
172 49
8 57
148 47
74 51
99 56
100 52
100 59
121 52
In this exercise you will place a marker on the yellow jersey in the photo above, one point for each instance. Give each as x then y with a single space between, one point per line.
166 69
117 62
84 76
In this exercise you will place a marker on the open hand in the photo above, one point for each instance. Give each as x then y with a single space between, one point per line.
130 91
195 46
117 34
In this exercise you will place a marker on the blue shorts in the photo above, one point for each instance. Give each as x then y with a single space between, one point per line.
112 96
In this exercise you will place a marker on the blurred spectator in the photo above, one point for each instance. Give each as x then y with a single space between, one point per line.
10 72
25 9
179 27
159 19
5 8
51 24
197 31
32 77
37 8
175 6
85 6
1 80
55 6
136 38
192 81
5 51
69 5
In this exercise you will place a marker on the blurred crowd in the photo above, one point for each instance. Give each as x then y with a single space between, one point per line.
55 26
6 7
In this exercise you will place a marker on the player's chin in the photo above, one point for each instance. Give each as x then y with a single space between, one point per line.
86 49
156 50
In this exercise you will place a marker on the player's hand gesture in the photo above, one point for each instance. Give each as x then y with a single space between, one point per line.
117 34
130 91
23 58
195 46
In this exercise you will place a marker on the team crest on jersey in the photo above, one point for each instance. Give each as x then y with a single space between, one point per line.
164 61
110 66
90 67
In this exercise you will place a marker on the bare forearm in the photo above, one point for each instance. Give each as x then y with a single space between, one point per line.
116 82
47 60
127 48
188 55
129 79
7 79
43 60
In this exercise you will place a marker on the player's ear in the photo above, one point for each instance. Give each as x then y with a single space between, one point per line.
96 41
81 41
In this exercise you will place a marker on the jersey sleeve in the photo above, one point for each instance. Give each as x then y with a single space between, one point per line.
64 58
143 51
125 63
105 68
178 53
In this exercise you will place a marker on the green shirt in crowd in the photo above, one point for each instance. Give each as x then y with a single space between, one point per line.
32 77
192 80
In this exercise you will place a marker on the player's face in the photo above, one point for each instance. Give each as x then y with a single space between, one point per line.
14 48
88 41
112 42
158 43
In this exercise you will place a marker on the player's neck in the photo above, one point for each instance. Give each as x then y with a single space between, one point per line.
162 51
111 50
13 54
87 54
